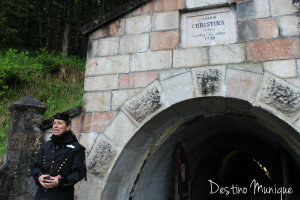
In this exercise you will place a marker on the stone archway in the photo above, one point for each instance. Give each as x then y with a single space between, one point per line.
205 127
150 123
157 85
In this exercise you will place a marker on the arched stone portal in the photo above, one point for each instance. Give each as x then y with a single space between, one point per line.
157 77
208 129
134 157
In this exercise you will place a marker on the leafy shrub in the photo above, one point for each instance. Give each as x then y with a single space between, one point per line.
55 81
16 69
51 63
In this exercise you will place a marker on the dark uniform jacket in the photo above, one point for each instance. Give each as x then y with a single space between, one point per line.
63 156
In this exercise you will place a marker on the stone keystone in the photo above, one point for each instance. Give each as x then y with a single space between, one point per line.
209 81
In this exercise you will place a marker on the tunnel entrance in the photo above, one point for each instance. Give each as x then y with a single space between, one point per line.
238 166
228 155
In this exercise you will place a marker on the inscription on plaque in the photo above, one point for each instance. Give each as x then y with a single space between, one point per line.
209 27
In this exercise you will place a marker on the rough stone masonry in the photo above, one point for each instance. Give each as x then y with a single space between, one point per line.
169 51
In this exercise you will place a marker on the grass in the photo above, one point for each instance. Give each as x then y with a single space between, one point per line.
55 81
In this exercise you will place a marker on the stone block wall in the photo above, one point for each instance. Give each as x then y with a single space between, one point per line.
137 66
137 49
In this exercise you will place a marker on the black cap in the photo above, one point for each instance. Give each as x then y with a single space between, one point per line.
63 116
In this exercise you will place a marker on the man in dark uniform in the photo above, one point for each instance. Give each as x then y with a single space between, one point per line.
61 163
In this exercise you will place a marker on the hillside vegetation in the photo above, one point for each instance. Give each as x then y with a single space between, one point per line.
55 81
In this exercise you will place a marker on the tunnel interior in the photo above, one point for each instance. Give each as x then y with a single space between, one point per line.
225 153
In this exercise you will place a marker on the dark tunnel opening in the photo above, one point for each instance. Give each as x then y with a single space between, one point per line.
238 166
229 143
228 157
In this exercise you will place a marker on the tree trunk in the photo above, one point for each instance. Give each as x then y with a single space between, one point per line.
66 36
41 20
50 26
87 17
89 11
59 23
80 22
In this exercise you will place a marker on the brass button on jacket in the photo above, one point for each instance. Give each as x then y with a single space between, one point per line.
66 159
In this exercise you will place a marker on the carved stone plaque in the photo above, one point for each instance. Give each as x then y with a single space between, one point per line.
208 27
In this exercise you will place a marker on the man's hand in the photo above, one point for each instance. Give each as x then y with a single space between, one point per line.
48 181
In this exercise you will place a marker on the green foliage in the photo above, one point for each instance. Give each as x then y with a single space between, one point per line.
55 81
38 24
15 69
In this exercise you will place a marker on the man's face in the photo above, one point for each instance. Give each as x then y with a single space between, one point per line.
59 127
